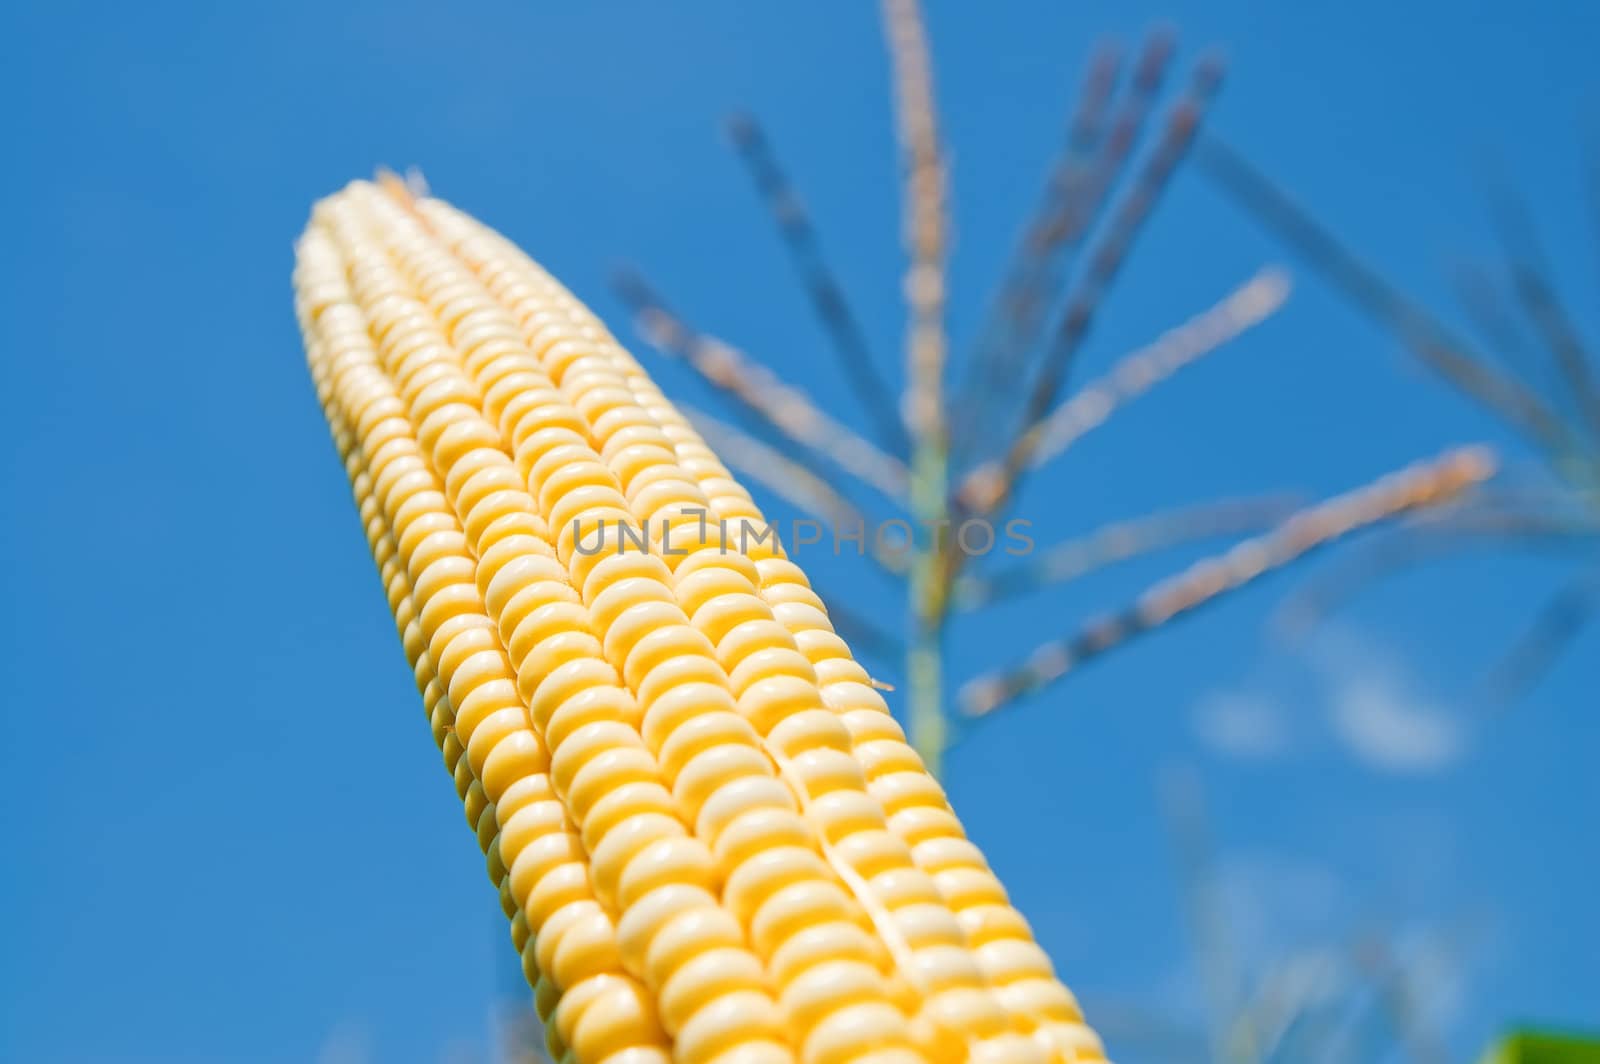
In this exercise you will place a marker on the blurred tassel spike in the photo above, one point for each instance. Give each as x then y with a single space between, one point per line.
1077 190
1420 485
1015 311
1536 295
1105 260
1285 998
789 481
1592 184
786 409
1485 308
1552 630
1399 997
1123 540
1111 250
926 225
1433 534
773 470
1241 310
821 284
1418 329
1183 803
1131 377
1084 132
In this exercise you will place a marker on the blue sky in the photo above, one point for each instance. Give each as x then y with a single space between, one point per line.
227 834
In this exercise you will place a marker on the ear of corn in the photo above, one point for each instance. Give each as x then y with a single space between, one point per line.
709 834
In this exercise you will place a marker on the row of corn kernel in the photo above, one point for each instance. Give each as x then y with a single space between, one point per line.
540 301
1007 950
1010 959
454 439
409 351
602 1016
638 587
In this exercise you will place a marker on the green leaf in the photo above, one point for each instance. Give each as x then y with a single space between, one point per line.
1543 1047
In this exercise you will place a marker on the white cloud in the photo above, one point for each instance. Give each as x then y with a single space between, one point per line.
1392 729
1378 709
348 1043
1364 698
1246 725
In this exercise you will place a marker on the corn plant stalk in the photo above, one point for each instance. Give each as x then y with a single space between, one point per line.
926 343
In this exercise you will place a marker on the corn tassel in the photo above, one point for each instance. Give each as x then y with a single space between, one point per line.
711 837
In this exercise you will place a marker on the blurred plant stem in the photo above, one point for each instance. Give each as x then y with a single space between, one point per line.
1183 804
926 227
929 592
